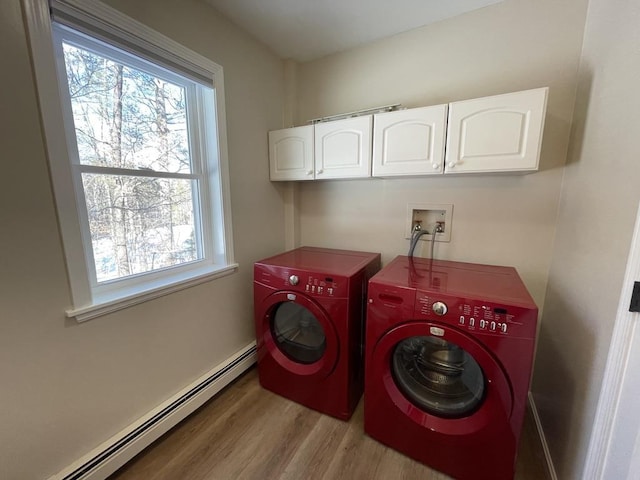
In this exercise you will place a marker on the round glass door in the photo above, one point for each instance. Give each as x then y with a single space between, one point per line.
438 376
298 333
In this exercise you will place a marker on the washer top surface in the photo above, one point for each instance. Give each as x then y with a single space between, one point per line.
322 260
468 280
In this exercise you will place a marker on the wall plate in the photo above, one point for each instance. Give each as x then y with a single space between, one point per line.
428 216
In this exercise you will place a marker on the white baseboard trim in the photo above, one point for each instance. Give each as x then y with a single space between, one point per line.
122 447
543 440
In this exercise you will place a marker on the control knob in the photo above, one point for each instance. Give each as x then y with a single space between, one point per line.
439 308
293 279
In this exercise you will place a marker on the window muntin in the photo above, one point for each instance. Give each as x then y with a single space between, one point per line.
164 57
135 129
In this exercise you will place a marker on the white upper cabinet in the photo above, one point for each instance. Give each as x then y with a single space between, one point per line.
343 148
291 154
409 142
502 133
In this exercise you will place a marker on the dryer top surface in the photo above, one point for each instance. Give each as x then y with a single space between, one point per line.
467 280
323 260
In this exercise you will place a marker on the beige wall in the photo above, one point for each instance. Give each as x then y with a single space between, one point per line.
514 45
509 220
66 387
573 261
598 208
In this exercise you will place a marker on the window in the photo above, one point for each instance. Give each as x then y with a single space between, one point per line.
135 132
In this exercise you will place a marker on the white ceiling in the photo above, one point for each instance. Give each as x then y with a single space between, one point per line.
309 29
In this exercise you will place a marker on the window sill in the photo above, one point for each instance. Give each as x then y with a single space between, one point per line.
104 307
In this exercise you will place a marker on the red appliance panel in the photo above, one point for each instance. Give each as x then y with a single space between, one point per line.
322 260
489 314
483 282
331 284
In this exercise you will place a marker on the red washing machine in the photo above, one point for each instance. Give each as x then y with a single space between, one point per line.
309 317
449 352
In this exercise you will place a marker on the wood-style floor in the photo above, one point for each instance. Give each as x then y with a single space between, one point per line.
246 432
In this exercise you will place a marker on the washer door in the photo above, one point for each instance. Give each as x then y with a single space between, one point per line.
441 378
438 376
299 334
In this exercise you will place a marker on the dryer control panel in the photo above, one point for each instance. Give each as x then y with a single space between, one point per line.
477 316
325 286
302 281
313 284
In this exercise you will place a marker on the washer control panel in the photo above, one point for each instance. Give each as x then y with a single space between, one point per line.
475 316
485 317
482 324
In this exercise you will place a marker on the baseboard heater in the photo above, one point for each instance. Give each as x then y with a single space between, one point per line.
212 381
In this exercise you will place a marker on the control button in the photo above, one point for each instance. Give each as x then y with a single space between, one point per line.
330 290
472 322
293 279
306 287
439 308
461 320
504 328
483 324
492 326
320 289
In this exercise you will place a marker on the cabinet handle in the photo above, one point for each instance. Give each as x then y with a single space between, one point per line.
436 166
310 172
452 164
319 172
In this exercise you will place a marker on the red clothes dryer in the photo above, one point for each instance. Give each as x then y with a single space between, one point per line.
449 351
309 318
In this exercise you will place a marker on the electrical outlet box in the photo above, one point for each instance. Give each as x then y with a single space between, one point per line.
430 217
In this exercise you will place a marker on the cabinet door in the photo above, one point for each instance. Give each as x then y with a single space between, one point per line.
409 142
496 134
291 153
343 148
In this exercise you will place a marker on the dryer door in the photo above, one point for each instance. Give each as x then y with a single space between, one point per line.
299 334
442 378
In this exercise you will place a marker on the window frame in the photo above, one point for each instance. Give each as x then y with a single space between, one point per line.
89 298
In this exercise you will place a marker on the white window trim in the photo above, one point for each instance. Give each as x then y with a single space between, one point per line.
85 306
